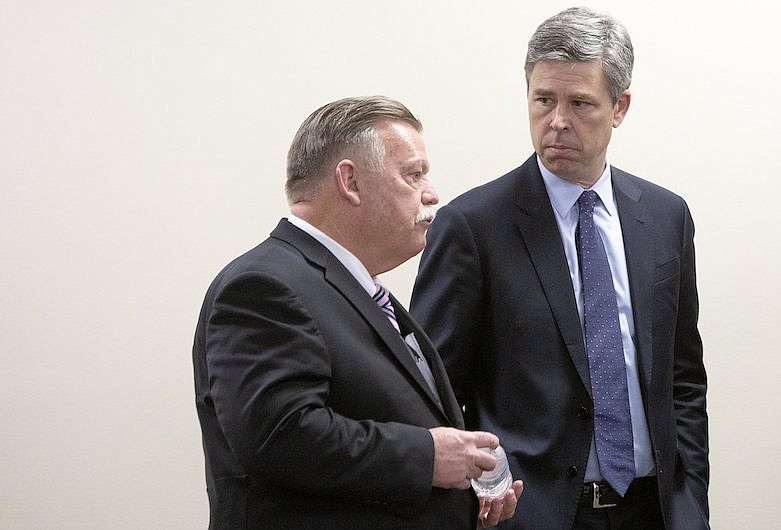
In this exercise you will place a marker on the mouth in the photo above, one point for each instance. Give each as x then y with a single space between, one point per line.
559 148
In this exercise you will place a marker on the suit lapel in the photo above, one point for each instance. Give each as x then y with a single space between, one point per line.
537 224
340 278
447 400
344 282
639 250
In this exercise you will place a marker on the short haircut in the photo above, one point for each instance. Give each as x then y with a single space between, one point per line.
579 34
346 129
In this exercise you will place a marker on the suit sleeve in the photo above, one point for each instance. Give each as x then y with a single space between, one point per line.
689 378
448 296
269 374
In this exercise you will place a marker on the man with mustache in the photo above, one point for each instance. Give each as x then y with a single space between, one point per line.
563 300
322 403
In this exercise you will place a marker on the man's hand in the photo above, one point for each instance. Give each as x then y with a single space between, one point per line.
500 508
458 458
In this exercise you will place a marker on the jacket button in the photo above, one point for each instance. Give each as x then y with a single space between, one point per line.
583 413
572 471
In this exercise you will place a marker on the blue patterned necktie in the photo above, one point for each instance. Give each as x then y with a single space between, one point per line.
612 419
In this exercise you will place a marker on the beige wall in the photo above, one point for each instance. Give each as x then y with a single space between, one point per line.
142 145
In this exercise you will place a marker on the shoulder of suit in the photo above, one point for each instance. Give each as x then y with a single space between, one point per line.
500 189
629 182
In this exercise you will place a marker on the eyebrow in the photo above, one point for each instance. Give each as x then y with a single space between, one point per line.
583 95
576 95
417 164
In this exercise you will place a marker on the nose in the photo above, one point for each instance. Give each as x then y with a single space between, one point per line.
559 118
429 195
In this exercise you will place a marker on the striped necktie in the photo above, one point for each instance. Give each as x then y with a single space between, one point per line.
382 297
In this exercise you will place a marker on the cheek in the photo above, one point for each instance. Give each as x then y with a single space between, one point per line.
408 202
601 136
396 214
537 132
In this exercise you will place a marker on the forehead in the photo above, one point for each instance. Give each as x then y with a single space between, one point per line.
568 76
401 140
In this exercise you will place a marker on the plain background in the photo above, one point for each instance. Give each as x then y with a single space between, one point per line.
142 146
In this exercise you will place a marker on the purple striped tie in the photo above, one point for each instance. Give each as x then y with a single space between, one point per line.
382 298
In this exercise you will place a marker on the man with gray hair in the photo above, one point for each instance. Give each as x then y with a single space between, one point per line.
562 297
322 404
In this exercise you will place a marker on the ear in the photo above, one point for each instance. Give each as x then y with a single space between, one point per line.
621 106
347 182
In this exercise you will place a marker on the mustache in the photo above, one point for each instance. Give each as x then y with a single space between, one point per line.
426 213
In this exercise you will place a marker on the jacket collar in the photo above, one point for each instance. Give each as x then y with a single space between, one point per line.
345 283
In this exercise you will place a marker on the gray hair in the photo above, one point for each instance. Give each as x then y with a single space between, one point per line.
343 128
579 34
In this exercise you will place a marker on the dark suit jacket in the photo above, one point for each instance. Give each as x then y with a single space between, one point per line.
312 410
495 296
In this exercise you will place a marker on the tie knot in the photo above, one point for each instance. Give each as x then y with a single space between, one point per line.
380 294
587 201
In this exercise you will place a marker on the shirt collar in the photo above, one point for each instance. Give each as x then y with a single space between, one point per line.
563 194
347 258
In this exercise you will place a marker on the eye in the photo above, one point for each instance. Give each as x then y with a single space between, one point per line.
418 176
583 103
414 178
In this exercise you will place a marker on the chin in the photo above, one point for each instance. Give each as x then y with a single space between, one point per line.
417 249
561 168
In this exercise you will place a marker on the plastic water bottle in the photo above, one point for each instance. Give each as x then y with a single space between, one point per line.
496 482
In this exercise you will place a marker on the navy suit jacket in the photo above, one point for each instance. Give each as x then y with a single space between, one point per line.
494 294
313 413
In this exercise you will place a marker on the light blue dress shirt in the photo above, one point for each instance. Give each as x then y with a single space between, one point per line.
564 196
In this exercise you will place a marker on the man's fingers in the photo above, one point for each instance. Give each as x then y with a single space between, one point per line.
484 461
485 439
518 487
